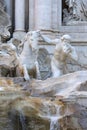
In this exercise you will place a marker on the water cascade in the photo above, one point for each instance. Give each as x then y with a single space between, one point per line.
52 112
22 121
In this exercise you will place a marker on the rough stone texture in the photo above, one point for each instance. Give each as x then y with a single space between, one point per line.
4 18
44 63
61 86
9 54
54 25
63 46
5 22
61 100
53 103
82 60
71 65
8 59
75 13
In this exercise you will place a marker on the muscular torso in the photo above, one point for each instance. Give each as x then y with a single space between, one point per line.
59 54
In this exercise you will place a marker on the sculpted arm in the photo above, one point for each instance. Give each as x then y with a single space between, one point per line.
73 54
48 40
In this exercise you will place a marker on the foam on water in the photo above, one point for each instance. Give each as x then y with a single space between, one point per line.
53 117
1 88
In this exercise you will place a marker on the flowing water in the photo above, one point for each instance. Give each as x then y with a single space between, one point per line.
53 114
54 123
1 88
22 121
49 111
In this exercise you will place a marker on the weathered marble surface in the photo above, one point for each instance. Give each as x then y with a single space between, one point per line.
8 59
75 13
10 51
37 106
17 58
63 51
27 61
5 22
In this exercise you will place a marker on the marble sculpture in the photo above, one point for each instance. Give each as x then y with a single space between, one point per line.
63 50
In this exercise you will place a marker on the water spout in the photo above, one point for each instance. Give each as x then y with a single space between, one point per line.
22 121
52 112
54 123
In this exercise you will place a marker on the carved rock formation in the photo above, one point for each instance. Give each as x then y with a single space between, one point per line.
8 59
52 104
5 22
75 13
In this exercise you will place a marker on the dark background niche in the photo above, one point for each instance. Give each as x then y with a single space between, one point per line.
63 7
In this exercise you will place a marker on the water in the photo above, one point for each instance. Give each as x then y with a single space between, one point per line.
52 112
54 123
1 88
22 121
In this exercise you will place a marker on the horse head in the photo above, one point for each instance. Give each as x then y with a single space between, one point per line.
4 32
32 37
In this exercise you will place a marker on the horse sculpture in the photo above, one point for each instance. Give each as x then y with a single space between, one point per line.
28 63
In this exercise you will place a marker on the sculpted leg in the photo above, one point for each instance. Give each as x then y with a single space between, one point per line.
56 71
38 76
25 71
